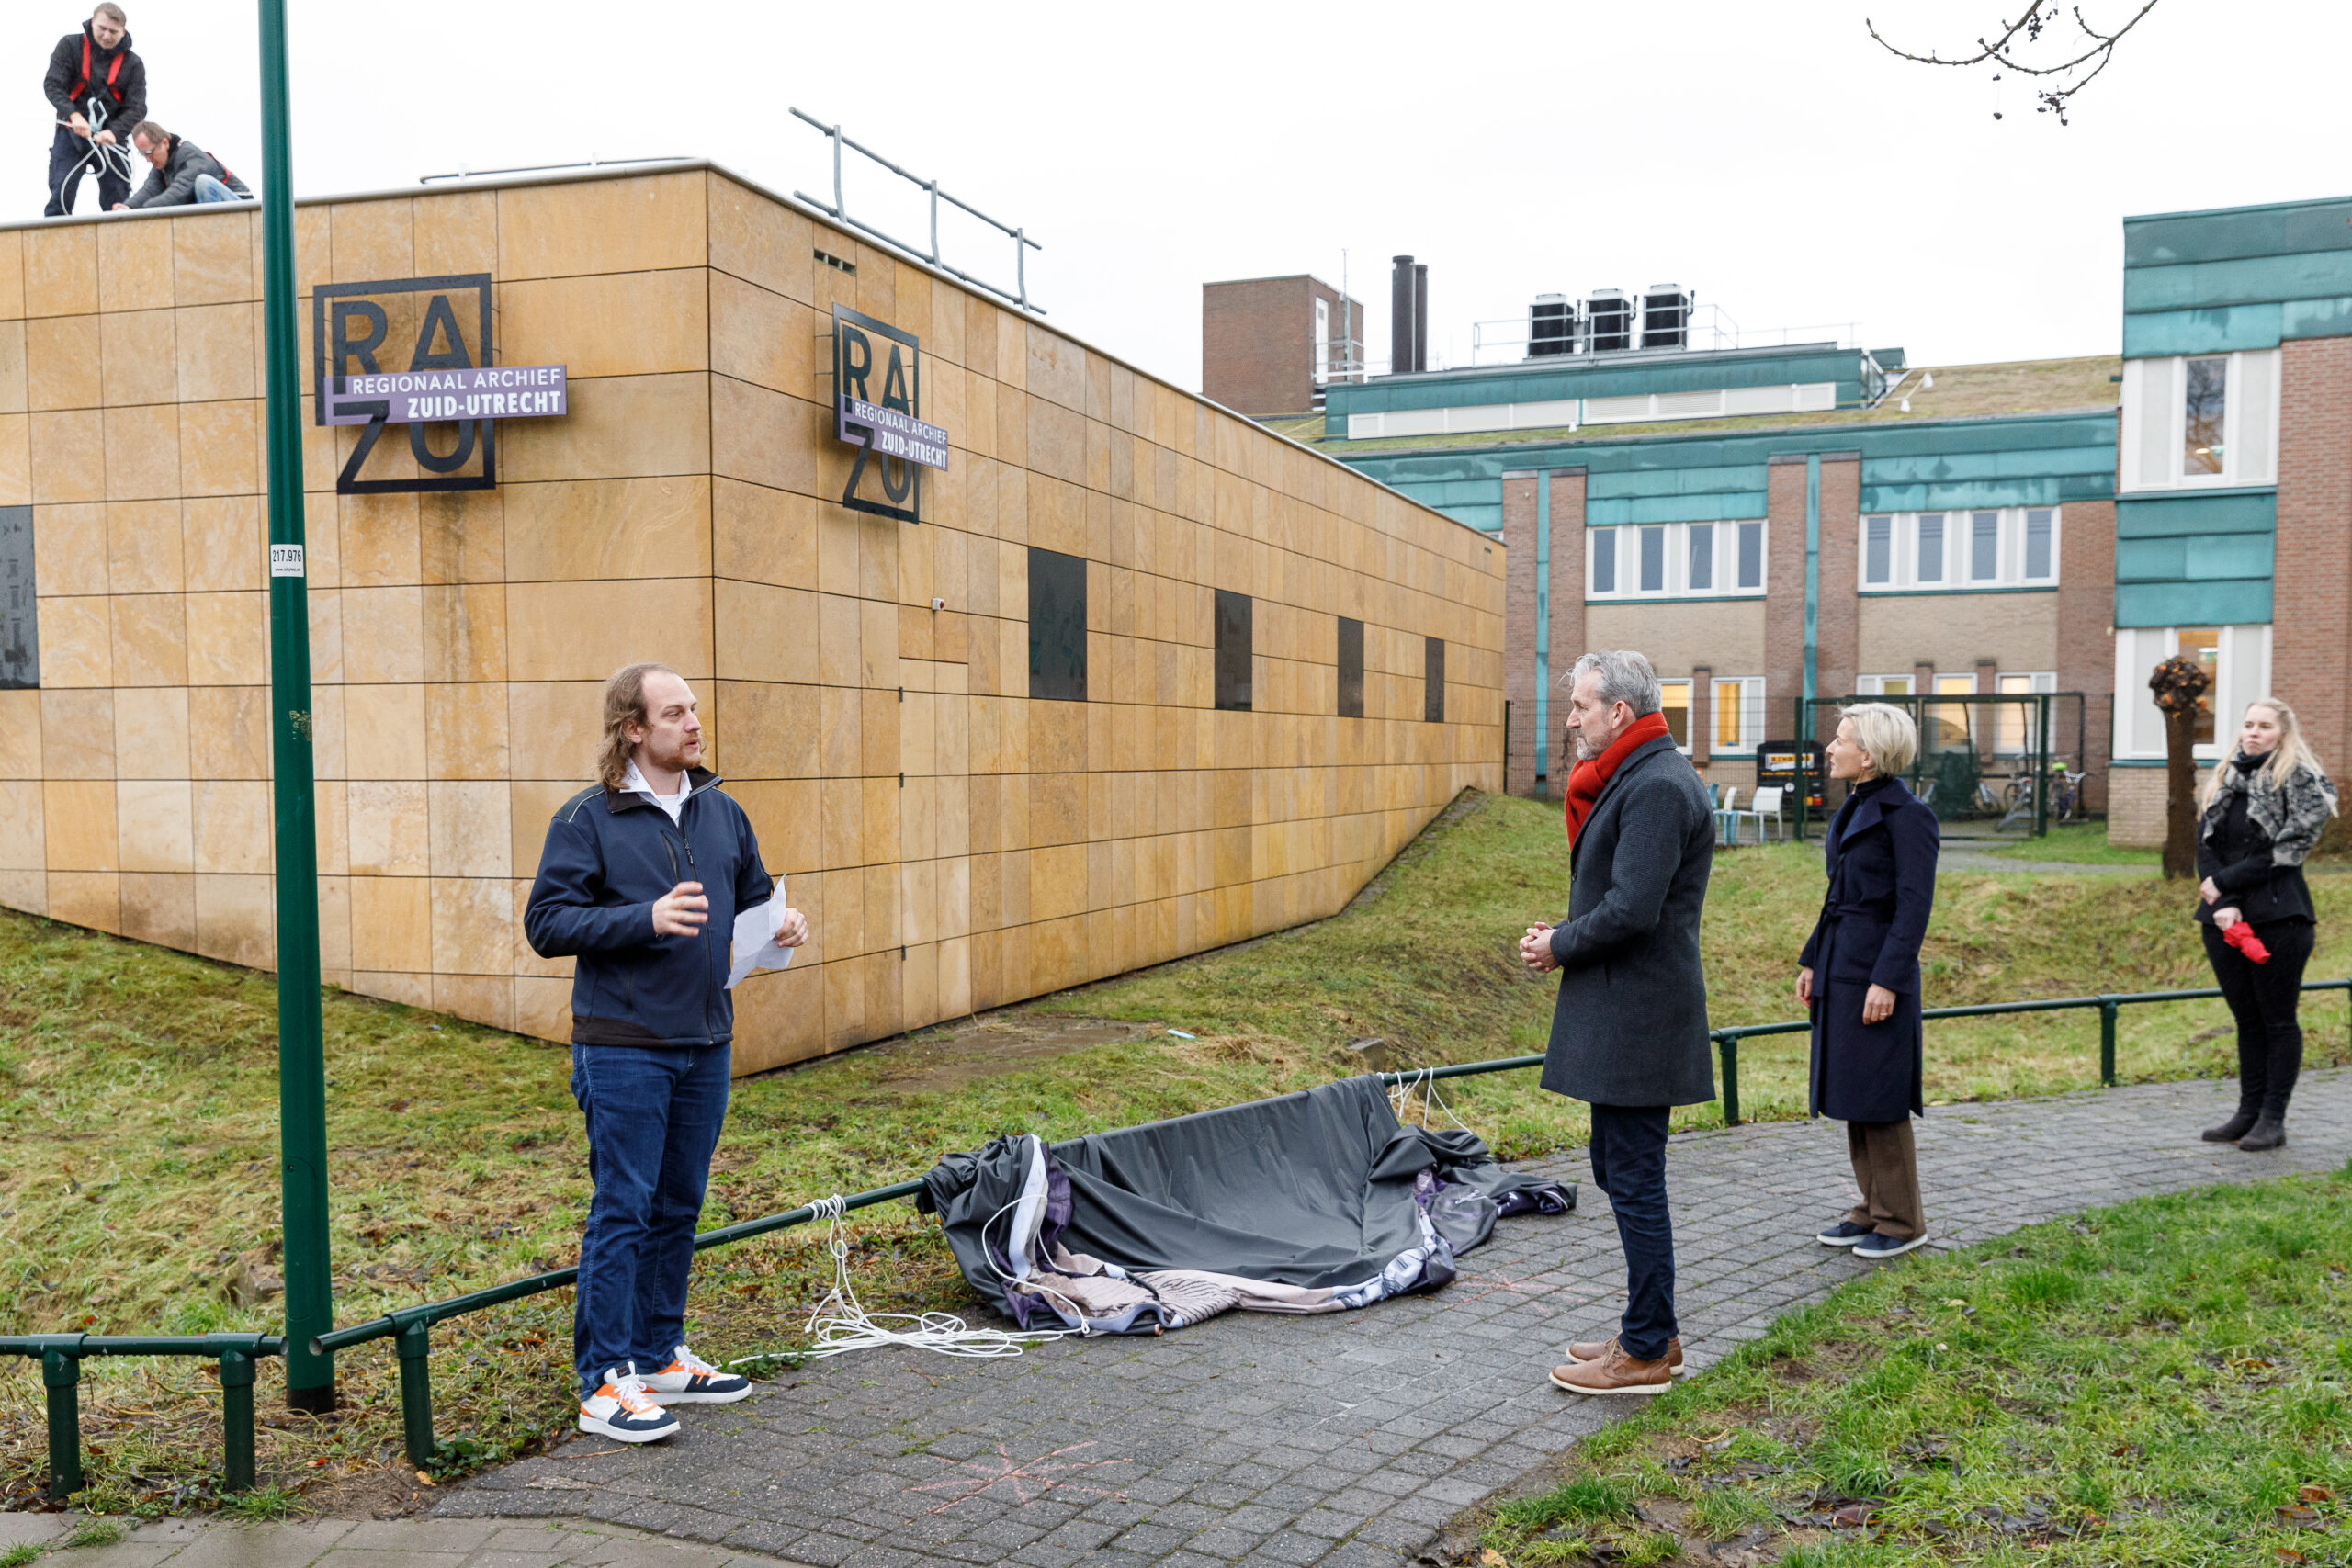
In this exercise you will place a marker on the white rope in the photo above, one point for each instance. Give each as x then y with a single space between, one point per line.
1425 1080
102 159
841 1322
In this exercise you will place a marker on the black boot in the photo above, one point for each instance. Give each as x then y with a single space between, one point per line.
2231 1131
2270 1132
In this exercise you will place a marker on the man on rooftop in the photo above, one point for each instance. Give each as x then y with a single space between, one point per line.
98 88
185 173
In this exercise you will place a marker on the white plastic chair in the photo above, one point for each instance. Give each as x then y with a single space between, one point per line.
1767 809
1726 819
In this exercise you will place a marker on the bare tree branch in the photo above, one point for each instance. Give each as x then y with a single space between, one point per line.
2004 52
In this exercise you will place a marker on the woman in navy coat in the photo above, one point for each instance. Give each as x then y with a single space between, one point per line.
1859 976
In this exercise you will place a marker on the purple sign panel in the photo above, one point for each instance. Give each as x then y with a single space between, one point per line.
895 435
414 397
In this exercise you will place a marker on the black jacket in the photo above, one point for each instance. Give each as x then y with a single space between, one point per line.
125 102
1629 1027
1882 866
609 855
173 184
2243 859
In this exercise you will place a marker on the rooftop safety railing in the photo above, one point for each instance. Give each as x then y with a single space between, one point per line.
409 1329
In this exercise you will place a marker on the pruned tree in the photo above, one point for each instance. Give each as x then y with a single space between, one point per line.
2180 684
2019 46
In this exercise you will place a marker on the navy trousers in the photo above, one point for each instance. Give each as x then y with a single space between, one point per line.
654 1118
1629 1165
66 179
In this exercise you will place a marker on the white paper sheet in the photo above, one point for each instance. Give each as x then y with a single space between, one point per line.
755 943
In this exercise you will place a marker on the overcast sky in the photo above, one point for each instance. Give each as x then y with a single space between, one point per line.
1767 155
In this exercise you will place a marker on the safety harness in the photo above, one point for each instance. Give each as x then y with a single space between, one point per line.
121 52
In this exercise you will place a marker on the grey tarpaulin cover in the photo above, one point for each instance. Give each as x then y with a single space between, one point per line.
1314 1202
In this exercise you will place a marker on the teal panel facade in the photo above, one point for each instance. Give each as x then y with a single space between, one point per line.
2236 278
1631 375
2231 603
2198 559
2215 512
1926 465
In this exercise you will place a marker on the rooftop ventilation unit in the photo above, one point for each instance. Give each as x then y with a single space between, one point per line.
1609 321
1666 316
1550 326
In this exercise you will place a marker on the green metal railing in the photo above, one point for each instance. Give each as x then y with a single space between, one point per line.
409 1329
61 1356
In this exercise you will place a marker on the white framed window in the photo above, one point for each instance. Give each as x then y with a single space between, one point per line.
1740 713
1674 702
1884 685
1675 560
1322 340
2238 659
2200 421
1934 552
2016 728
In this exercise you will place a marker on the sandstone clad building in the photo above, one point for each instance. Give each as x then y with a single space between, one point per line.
1142 679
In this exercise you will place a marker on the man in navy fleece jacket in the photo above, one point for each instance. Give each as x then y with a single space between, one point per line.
640 883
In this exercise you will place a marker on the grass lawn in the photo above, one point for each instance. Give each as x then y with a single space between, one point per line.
2077 843
138 1123
2166 1381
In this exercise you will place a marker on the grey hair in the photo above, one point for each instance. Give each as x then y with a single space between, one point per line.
1625 677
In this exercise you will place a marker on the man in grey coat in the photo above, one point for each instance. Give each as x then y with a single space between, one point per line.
1629 1034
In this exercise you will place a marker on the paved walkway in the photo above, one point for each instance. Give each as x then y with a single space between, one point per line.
1349 1438
349 1543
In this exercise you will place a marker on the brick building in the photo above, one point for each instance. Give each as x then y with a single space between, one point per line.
1774 523
1269 345
2234 515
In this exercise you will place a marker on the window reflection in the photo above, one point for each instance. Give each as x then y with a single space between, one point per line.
2204 403
1675 703
1233 651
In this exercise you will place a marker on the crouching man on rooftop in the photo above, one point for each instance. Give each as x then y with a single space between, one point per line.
185 173
640 882
1629 1034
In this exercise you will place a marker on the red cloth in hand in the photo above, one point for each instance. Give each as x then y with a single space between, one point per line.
1588 778
2241 936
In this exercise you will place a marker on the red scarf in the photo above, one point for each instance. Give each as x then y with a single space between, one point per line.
1588 778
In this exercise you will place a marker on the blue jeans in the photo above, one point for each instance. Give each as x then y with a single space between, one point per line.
1629 1164
209 190
654 1118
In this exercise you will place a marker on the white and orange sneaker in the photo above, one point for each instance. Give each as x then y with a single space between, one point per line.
623 1409
690 1380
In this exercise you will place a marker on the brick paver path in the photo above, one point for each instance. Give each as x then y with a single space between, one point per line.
1348 1439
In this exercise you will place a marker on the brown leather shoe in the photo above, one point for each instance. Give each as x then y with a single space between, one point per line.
1615 1372
1584 1350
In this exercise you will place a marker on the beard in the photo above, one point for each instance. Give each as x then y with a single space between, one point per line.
1587 750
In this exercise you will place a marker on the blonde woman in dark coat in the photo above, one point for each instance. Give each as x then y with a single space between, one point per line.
2261 811
1859 975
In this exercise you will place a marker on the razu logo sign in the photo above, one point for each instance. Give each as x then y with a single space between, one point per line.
417 351
877 408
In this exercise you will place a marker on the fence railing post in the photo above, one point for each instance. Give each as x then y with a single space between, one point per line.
62 1375
237 1420
2107 1008
414 1345
1729 1045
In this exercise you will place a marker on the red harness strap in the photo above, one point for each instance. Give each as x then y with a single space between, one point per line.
112 70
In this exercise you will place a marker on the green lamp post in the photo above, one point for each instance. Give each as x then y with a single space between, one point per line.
302 1053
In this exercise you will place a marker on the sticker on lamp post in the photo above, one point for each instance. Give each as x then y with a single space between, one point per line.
285 560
